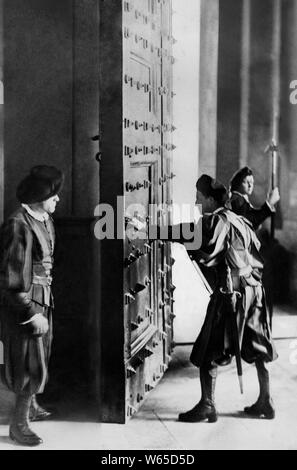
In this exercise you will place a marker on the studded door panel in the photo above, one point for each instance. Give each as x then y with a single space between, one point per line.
147 128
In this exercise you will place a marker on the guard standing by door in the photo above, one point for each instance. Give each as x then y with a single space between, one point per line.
241 187
27 242
230 245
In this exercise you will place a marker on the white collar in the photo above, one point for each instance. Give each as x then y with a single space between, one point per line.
36 215
219 209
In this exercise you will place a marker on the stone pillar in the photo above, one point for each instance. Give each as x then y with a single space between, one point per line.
245 82
229 89
261 94
1 116
209 30
288 135
288 141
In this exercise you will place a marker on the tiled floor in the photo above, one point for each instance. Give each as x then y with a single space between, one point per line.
156 427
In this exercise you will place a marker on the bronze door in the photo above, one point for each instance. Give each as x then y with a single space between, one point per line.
136 130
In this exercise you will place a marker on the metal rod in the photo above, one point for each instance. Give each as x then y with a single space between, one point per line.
276 49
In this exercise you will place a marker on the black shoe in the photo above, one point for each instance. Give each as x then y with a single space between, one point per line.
36 412
39 414
23 435
261 410
201 412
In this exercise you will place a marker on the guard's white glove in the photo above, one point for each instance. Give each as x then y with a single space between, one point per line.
273 197
40 325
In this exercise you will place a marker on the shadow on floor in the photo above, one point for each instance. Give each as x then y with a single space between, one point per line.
6 440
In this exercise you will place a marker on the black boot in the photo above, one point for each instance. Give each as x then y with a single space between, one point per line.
37 413
19 429
205 409
263 408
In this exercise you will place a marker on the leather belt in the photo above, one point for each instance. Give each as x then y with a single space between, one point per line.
42 280
246 271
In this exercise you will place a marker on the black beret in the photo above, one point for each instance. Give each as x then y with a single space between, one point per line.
238 177
42 183
208 186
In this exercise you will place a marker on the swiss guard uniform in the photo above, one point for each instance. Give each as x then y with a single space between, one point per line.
230 247
240 204
27 242
229 243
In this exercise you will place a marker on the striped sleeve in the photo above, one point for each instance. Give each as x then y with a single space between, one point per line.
16 269
215 235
